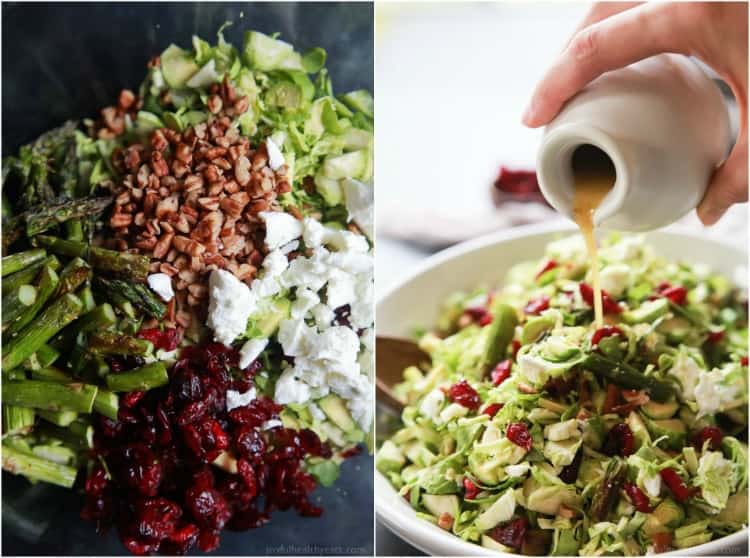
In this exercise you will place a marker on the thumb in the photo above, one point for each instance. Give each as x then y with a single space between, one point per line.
728 185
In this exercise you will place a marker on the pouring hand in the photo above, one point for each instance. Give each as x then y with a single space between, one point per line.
614 35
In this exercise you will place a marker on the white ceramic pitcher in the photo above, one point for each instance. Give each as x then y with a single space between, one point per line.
664 124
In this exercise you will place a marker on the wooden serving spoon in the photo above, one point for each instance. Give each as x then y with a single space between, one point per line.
392 356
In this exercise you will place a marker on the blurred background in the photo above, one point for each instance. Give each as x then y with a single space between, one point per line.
452 82
68 60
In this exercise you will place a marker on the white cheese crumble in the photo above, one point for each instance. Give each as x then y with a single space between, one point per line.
652 484
327 357
251 350
712 393
359 204
431 404
229 306
236 399
275 157
687 371
161 284
615 279
281 228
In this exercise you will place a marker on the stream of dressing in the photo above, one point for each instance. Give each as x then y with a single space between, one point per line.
593 177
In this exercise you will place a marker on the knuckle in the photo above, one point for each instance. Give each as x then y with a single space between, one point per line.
585 44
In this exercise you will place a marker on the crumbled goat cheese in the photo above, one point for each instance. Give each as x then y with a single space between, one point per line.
281 228
229 306
291 390
431 404
306 300
251 350
359 201
712 393
236 399
327 357
652 484
615 279
687 371
323 315
161 284
275 157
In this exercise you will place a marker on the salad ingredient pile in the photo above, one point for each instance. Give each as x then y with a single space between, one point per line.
535 431
187 295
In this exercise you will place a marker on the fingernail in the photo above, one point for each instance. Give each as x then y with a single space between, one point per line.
708 215
528 115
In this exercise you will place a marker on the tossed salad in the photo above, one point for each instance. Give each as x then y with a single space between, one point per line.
187 295
534 432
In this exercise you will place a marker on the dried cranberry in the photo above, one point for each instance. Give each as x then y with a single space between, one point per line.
471 489
602 332
156 518
166 339
192 412
131 399
569 473
163 444
676 485
96 481
463 394
501 372
678 295
620 441
139 547
247 473
485 320
249 443
715 337
208 507
709 434
142 471
518 433
511 533
743 361
492 410
206 439
609 305
479 315
515 346
181 540
550 264
186 385
351 452
312 445
637 497
537 305
208 540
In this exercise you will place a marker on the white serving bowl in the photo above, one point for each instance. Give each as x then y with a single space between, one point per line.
415 300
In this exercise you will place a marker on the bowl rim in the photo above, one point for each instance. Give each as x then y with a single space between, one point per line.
401 520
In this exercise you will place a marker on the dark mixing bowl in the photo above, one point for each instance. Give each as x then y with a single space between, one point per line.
67 60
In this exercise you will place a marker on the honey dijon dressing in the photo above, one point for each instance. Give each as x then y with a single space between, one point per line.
593 177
